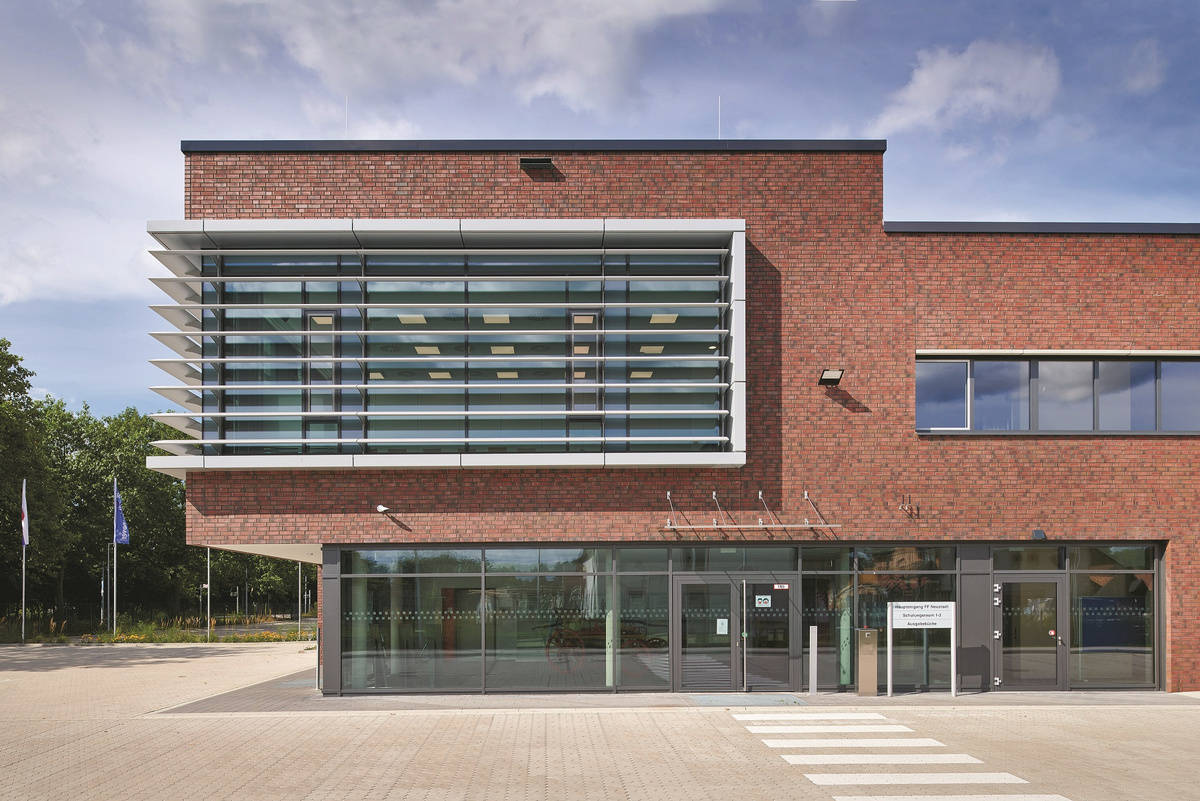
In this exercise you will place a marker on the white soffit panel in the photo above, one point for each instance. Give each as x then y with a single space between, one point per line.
308 552
298 233
434 234
179 234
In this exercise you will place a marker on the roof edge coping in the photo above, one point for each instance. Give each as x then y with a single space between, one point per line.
965 227
524 145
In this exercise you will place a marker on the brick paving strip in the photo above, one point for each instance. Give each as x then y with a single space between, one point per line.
244 722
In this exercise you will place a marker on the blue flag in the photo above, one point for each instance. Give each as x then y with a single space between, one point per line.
120 530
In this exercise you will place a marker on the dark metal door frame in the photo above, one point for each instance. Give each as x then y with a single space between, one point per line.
1061 637
676 631
737 643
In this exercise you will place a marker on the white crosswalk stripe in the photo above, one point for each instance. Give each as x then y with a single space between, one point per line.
881 759
913 778
1006 797
799 716
856 742
831 729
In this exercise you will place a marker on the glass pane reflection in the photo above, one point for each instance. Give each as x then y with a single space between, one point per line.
548 632
1112 630
411 633
1001 396
1126 395
941 395
921 657
643 657
1064 396
1180 396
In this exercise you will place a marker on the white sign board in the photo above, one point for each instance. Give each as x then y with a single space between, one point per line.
722 625
762 601
922 614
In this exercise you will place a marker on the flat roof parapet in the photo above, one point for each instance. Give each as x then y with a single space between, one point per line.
514 145
934 227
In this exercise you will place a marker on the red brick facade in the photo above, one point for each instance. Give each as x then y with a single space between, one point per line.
826 288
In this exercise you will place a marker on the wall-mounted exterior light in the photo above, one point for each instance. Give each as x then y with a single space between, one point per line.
831 377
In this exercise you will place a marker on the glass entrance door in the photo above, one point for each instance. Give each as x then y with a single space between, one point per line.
733 632
768 634
1029 632
706 636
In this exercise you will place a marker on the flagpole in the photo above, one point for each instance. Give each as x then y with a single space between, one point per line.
24 545
114 614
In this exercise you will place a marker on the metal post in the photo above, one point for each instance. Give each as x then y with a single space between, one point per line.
889 647
22 590
299 597
745 640
954 650
208 584
114 614
812 660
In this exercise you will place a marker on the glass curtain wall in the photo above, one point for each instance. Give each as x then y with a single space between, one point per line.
598 618
426 353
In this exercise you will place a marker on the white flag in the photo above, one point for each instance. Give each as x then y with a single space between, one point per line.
24 516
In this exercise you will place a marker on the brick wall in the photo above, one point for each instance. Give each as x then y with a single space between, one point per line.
826 288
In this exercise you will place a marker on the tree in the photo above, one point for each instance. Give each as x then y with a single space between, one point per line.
22 458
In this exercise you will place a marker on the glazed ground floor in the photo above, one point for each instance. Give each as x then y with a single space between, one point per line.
722 617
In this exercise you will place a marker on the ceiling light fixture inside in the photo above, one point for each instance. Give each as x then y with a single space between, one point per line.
654 349
585 319
438 375
506 374
376 376
427 350
663 319
582 350
642 374
412 319
502 350
496 319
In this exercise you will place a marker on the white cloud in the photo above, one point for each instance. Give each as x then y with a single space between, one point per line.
584 53
344 119
988 81
1146 69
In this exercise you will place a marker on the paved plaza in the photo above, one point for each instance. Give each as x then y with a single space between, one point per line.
244 722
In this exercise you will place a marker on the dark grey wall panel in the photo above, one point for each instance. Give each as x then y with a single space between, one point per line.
975 632
331 619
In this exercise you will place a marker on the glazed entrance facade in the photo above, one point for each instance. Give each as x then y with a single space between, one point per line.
725 618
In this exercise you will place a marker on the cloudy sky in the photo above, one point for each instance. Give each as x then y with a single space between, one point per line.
1012 110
